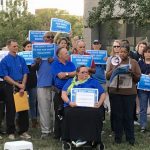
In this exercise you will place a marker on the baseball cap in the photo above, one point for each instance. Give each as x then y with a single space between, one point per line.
96 41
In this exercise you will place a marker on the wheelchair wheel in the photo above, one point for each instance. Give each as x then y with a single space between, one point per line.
100 146
66 146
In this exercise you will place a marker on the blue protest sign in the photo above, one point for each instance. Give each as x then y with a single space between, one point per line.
79 60
27 55
98 56
144 83
3 54
36 36
85 97
43 51
60 25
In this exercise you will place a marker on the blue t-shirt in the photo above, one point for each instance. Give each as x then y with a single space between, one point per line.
100 74
58 67
90 83
44 77
14 66
1 71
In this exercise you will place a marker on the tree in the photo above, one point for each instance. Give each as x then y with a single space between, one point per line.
15 21
131 11
44 16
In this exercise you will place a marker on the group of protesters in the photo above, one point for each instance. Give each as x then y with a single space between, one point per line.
47 83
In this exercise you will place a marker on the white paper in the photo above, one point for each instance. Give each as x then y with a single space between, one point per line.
85 99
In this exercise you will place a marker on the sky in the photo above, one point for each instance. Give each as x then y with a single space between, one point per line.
74 7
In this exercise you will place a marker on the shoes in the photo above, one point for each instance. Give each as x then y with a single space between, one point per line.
102 146
80 143
44 136
136 123
25 135
66 146
142 129
11 137
131 142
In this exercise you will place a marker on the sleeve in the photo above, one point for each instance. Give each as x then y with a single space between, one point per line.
55 69
25 69
99 87
65 87
4 68
93 64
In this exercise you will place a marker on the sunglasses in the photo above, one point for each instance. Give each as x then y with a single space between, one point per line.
116 46
84 72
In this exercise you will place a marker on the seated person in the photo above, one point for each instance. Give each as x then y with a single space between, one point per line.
82 124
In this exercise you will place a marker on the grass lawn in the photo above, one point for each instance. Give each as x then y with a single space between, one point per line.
142 140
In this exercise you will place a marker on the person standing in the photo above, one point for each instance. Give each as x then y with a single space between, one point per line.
31 87
15 73
144 95
44 91
122 92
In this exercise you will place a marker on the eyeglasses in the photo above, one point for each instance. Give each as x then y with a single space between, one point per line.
116 46
48 37
84 72
82 47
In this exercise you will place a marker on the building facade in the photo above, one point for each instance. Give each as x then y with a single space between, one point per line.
111 30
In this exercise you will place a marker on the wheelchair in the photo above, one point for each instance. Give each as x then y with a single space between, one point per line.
87 146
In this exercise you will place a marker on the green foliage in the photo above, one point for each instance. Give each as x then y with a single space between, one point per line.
132 11
44 16
16 21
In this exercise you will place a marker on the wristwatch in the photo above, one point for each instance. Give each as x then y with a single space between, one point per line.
67 74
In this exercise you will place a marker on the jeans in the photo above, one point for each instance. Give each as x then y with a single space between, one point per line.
144 97
32 102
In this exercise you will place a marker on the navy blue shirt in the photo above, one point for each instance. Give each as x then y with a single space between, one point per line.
145 68
14 66
58 67
90 83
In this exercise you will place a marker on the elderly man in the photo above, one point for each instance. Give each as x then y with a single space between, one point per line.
62 70
80 50
44 92
15 72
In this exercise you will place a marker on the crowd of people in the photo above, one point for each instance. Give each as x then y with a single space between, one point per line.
49 83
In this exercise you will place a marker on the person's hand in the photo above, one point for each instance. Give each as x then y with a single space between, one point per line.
50 60
38 60
97 105
72 104
62 75
21 92
105 59
21 86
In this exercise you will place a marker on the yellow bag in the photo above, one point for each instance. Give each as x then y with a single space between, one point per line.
21 102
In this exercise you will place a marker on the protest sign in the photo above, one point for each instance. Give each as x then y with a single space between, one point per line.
86 97
28 56
60 25
98 56
79 60
43 51
36 36
144 83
